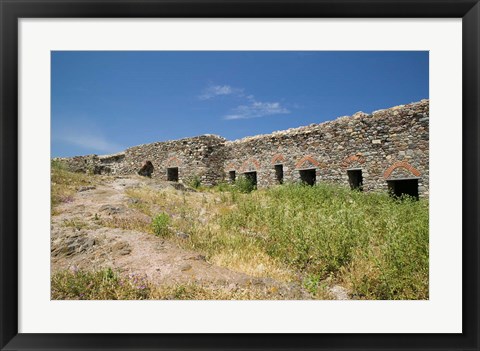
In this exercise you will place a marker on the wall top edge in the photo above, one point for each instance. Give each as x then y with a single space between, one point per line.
339 122
342 120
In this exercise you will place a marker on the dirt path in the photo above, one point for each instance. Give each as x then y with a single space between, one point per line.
78 239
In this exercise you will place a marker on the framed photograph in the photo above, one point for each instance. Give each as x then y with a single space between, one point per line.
225 175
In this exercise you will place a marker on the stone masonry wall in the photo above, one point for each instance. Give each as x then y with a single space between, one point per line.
385 145
201 157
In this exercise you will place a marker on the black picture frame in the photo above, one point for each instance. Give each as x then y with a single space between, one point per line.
12 10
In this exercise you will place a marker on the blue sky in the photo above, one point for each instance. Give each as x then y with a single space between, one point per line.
104 102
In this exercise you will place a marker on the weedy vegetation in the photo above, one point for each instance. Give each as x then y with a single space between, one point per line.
375 246
64 184
160 224
107 284
98 285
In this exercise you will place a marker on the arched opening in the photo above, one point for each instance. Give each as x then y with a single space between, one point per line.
232 176
355 179
172 174
308 176
405 186
252 177
279 174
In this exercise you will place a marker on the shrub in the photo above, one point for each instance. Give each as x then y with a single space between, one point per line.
58 165
195 182
244 185
160 224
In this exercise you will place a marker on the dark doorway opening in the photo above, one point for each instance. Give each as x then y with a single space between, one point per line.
252 177
279 173
355 179
308 176
232 176
399 187
172 174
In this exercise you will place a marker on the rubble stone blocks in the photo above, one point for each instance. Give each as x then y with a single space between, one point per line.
385 145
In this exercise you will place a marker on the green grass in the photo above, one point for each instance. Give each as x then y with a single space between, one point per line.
241 185
244 185
160 224
376 245
370 243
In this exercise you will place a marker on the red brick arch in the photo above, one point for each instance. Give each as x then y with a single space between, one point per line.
250 161
306 159
401 164
278 158
173 162
352 159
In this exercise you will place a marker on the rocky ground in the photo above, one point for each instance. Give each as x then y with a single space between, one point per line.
80 240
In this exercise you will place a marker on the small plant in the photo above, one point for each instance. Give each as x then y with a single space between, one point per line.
160 224
195 182
311 283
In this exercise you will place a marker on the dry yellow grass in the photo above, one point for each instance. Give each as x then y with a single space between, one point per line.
137 223
197 214
254 262
77 223
65 184
108 284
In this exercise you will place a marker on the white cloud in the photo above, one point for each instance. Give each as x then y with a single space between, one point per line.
257 109
251 107
218 90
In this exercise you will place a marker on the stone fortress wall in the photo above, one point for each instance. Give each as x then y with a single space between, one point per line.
201 157
387 149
